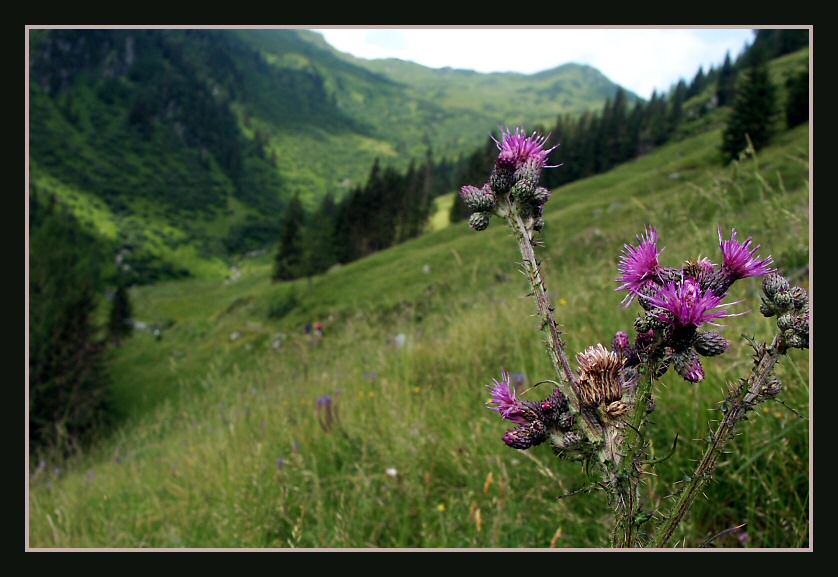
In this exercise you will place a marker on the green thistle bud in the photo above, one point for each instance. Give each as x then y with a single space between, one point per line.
501 178
774 283
783 299
796 341
479 220
530 171
710 344
767 308
541 195
799 297
478 199
785 322
523 190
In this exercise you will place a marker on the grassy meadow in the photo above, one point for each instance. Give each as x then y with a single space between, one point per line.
227 438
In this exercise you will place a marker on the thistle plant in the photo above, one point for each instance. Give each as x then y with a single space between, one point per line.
599 408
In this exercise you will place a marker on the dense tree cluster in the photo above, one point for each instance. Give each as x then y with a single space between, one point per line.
68 380
389 209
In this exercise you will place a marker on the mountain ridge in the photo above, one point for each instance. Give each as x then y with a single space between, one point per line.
195 137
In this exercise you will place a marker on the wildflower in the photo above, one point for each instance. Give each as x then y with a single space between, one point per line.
639 266
688 305
739 260
441 507
520 151
536 420
504 397
325 413
392 472
280 462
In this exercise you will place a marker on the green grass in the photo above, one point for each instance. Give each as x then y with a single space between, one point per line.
210 408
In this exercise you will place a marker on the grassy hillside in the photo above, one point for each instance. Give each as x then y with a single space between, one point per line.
225 440
186 145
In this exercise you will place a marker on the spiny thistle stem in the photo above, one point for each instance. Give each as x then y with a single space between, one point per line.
743 400
627 474
554 343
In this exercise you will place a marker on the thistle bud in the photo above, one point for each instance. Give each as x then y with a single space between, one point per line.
773 283
688 365
541 195
479 220
785 322
767 308
501 178
523 190
710 344
478 199
771 388
783 299
799 297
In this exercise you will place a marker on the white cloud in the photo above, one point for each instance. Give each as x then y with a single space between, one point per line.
641 60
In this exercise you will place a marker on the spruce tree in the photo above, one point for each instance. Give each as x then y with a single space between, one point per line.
797 98
69 387
753 114
726 83
119 320
288 263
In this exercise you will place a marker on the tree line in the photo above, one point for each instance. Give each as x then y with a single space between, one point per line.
393 207
71 272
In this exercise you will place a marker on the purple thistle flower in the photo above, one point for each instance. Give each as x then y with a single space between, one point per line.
689 305
639 266
739 260
506 401
518 149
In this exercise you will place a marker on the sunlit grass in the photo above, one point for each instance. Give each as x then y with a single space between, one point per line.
221 446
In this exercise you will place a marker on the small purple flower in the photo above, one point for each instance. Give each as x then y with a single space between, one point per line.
689 305
506 401
517 149
739 260
639 266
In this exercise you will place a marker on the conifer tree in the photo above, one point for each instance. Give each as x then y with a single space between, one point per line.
726 83
119 320
69 388
289 256
753 114
797 98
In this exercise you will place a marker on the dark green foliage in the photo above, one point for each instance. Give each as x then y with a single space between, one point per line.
288 263
770 43
698 83
319 239
797 98
726 83
68 382
753 114
120 316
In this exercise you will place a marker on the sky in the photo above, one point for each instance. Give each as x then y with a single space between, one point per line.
641 60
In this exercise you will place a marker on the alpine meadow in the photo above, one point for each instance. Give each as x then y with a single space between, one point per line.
283 298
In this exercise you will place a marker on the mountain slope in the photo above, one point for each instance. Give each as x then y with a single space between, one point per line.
193 141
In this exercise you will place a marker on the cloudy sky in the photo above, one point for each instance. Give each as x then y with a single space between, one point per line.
639 59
